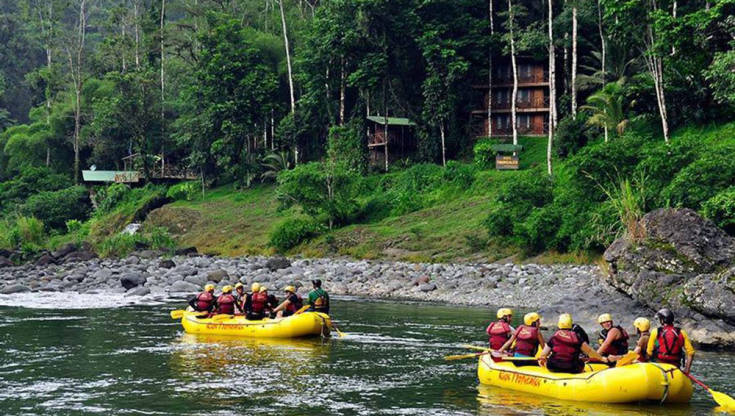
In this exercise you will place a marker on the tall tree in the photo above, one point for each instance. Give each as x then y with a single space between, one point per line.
574 58
514 68
290 74
75 54
552 88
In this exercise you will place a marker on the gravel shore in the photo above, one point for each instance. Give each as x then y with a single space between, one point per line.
550 289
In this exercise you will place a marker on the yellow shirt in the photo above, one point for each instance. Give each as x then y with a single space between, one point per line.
688 348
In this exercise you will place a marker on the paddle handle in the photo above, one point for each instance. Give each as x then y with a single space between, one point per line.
696 381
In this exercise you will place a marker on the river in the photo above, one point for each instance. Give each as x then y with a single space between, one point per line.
134 360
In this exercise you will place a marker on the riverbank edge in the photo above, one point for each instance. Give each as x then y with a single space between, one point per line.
549 289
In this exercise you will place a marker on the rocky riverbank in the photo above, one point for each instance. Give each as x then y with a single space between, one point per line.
549 288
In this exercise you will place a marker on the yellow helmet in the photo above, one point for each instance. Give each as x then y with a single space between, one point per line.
565 321
605 317
263 289
209 287
502 312
255 287
227 289
290 289
530 318
238 285
642 324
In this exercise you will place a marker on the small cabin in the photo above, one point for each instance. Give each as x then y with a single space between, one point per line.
401 139
132 172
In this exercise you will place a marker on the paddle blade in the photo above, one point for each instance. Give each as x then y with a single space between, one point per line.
460 356
221 317
474 347
627 359
177 314
727 402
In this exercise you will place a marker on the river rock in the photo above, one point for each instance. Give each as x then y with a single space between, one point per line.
427 287
78 256
5 262
167 264
217 275
17 288
138 291
45 260
64 250
183 287
196 280
684 262
277 263
131 280
132 260
186 251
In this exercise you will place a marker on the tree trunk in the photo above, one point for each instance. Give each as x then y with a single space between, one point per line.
137 35
290 76
75 68
342 92
552 100
444 146
603 57
515 74
655 67
574 61
385 124
490 74
163 98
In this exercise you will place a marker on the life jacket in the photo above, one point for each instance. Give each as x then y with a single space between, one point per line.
294 306
204 301
670 348
259 301
526 340
499 332
566 347
321 303
619 346
226 304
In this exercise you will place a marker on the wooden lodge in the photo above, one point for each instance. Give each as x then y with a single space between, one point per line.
400 143
532 101
160 172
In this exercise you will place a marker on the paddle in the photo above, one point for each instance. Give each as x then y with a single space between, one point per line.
626 359
303 308
477 354
727 402
340 333
179 313
475 347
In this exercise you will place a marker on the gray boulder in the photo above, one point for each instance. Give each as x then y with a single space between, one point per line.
683 262
5 262
132 279
427 287
277 263
217 275
138 291
64 250
183 287
7 290
167 264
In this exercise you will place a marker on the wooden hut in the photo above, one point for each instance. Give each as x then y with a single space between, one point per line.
400 143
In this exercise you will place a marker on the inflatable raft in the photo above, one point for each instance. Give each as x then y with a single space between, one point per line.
663 383
301 325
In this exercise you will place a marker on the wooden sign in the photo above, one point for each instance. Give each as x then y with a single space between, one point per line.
504 162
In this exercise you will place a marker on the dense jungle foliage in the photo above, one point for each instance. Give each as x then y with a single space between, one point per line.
244 92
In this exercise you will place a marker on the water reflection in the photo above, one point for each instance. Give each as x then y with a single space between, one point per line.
497 401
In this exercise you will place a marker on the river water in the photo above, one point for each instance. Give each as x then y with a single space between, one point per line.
135 360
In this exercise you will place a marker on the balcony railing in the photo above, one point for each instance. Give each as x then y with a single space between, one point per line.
533 78
536 102
522 130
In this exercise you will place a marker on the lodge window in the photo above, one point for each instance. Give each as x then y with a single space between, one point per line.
524 96
523 121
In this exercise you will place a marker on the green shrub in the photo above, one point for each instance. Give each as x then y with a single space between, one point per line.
461 175
120 245
662 162
484 155
108 198
293 232
184 191
721 209
73 226
28 230
538 230
160 239
702 179
348 144
515 200
572 134
30 181
54 208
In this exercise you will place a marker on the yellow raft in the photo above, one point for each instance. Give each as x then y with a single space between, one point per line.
301 325
663 383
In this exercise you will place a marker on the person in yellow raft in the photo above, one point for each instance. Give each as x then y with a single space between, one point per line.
669 344
527 337
642 327
562 352
613 338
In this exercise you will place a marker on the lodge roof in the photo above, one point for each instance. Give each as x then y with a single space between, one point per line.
392 121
